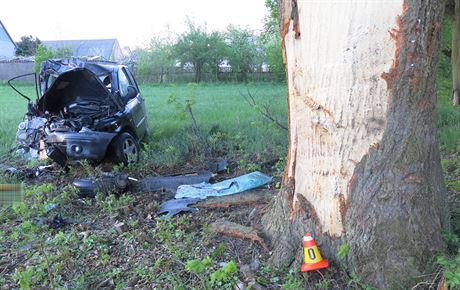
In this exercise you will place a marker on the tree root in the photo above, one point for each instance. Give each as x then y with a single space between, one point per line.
238 231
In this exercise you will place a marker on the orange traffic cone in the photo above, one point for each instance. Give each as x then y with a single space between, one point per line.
312 257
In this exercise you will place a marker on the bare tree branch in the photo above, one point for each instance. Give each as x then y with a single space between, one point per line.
264 109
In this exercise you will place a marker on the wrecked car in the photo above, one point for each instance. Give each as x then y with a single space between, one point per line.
84 110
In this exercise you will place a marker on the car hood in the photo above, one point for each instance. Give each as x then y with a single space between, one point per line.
74 86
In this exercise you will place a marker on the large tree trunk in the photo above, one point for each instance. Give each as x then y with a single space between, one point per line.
456 54
363 163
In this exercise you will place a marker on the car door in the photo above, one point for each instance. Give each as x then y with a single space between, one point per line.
134 104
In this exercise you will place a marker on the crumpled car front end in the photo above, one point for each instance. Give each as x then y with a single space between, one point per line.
77 117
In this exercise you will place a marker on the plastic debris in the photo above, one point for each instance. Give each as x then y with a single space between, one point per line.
107 183
226 187
50 206
172 182
175 206
120 182
219 166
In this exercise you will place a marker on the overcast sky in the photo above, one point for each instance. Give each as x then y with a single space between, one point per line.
132 22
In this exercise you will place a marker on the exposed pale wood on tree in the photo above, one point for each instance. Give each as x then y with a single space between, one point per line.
245 198
337 98
363 161
238 231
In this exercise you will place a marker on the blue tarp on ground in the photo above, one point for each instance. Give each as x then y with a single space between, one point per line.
226 187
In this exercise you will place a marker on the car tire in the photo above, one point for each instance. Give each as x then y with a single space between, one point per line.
125 149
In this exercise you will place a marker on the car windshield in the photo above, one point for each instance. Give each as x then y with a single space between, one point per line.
107 81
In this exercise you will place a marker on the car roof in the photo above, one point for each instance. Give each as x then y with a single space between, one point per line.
59 66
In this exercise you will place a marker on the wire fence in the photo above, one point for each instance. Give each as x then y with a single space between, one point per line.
208 77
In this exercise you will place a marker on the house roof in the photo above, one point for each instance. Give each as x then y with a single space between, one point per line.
86 47
4 35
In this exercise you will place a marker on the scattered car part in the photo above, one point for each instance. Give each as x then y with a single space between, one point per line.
83 109
219 166
226 187
175 206
171 183
109 183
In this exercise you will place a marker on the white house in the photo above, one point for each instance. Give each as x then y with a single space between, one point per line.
7 45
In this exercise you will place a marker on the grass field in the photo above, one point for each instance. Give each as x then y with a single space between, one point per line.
218 108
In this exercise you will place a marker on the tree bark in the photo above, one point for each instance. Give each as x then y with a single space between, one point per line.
456 54
198 70
363 163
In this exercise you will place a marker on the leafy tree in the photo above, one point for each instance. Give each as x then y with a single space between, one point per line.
199 48
243 53
272 40
62 52
27 46
274 56
157 61
271 20
218 51
43 53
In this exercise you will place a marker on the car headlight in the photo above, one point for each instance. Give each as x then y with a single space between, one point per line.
76 148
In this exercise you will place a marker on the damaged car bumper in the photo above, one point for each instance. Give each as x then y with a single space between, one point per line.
81 145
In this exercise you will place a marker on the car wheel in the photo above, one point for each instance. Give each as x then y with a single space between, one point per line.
125 149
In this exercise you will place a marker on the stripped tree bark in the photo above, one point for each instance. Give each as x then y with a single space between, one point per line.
363 162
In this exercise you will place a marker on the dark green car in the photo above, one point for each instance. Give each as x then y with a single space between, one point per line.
85 110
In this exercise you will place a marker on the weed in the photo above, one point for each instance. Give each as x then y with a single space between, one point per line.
355 282
294 281
451 268
112 202
323 284
343 250
225 277
198 266
218 251
24 277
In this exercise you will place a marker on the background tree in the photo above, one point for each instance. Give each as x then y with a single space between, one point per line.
243 52
453 10
271 41
271 19
157 61
27 46
43 53
363 167
62 52
199 48
218 52
274 56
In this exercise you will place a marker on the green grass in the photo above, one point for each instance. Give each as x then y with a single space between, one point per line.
12 109
448 115
219 107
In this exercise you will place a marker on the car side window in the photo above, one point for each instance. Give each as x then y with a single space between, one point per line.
123 83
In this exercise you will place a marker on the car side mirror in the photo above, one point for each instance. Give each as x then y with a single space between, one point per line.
132 92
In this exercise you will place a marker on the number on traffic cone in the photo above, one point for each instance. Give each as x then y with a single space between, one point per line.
312 258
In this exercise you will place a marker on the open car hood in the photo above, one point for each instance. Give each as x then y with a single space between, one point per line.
73 86
59 66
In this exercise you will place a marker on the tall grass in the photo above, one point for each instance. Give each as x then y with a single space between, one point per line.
448 115
12 109
219 109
